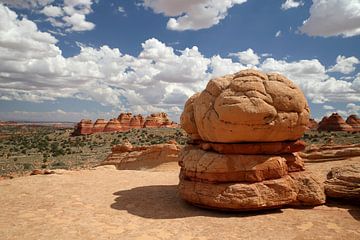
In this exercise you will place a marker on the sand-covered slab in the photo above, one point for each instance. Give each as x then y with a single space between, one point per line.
110 204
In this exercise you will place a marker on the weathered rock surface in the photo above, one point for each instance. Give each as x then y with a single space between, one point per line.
200 165
158 120
331 152
334 123
113 126
251 148
248 106
126 156
99 126
344 183
273 193
124 122
124 119
312 125
84 127
136 121
354 122
243 153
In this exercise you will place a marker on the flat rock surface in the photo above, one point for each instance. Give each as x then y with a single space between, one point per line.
111 204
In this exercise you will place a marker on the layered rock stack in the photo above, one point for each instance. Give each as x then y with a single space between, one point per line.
245 129
158 120
99 126
354 122
84 127
124 122
334 123
124 119
113 126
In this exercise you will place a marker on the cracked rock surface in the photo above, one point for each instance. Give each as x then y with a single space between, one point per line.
248 106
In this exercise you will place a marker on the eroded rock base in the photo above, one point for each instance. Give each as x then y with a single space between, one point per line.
244 182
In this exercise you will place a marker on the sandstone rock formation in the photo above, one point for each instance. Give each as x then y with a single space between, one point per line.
113 126
99 126
127 157
312 125
318 153
248 106
136 121
125 119
245 129
334 123
158 120
354 122
124 122
84 127
344 183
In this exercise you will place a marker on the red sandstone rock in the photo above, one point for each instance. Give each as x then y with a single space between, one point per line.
136 121
113 126
312 125
124 119
334 123
258 148
124 122
298 189
99 126
84 127
245 129
158 120
344 183
128 157
354 122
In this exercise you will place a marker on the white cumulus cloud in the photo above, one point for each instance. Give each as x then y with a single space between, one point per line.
344 65
291 4
191 15
333 18
159 78
247 57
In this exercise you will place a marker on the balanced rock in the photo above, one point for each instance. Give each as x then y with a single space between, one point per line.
248 106
99 126
354 122
344 183
334 123
245 130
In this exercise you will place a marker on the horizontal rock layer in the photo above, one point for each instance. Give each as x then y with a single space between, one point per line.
214 167
300 189
254 148
344 183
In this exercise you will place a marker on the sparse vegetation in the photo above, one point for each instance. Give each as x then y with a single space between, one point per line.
25 148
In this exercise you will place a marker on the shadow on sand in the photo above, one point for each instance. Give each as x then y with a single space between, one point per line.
163 202
353 207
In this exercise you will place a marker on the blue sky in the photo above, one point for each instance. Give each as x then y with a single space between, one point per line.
72 59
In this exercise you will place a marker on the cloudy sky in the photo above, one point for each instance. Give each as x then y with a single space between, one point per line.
72 59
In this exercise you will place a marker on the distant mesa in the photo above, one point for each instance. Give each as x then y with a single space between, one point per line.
123 123
336 123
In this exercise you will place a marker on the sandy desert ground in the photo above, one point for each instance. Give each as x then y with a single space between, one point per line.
105 203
